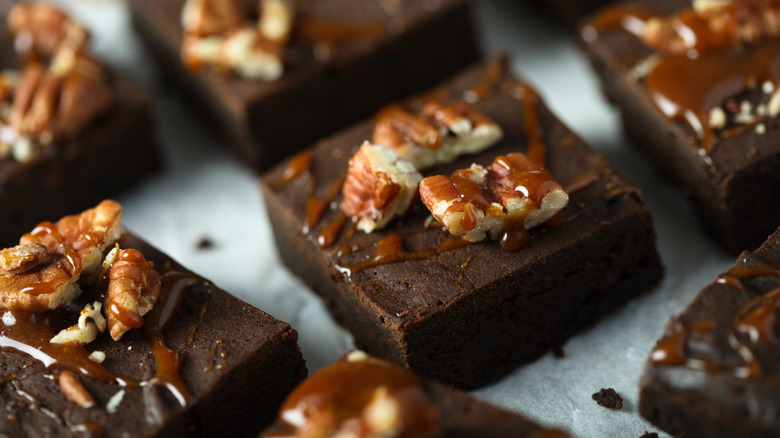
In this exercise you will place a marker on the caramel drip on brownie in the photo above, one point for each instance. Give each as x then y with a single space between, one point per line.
537 148
175 286
758 318
294 169
316 206
628 16
339 396
331 32
737 274
494 71
30 333
686 89
330 232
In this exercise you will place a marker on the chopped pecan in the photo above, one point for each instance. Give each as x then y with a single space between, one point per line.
439 134
713 24
475 203
90 324
24 258
276 18
71 386
379 186
203 18
81 101
133 289
243 50
40 29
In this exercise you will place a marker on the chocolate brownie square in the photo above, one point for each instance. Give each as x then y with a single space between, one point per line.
703 107
113 151
196 362
467 314
360 393
715 370
344 58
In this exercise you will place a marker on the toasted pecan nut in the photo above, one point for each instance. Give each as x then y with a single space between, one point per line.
71 386
476 203
439 134
36 285
90 324
713 24
133 290
379 186
276 19
81 101
202 18
40 29
24 258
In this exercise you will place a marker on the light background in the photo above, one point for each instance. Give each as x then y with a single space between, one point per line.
205 192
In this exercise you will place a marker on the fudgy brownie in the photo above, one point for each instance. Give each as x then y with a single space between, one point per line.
467 314
715 371
703 105
114 150
344 58
364 396
572 11
200 362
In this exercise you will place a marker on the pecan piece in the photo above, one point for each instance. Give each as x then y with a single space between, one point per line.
476 203
90 324
40 29
713 24
439 134
243 50
71 386
379 186
133 289
276 18
33 279
203 18
24 258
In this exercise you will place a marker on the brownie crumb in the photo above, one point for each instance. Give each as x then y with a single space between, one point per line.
558 352
649 435
608 398
204 243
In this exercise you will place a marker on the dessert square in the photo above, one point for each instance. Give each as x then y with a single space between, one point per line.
703 107
714 371
104 335
49 177
460 313
339 61
361 395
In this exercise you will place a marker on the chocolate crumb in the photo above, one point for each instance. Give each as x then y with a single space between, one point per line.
608 398
204 243
558 352
649 435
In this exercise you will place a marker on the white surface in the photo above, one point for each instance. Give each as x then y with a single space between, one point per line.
204 192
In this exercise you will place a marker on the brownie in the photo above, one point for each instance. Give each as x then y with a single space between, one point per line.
570 12
111 154
348 394
237 362
731 173
715 370
418 44
469 315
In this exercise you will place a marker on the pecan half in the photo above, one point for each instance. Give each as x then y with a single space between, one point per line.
24 258
439 134
34 279
713 24
379 186
40 29
133 289
476 203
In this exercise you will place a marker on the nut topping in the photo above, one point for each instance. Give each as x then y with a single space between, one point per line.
133 290
90 324
439 134
714 24
71 386
475 203
215 34
40 29
379 186
24 258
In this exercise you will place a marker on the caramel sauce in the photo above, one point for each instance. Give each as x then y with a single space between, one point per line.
670 351
581 182
494 72
628 16
737 274
194 328
330 32
330 232
536 147
760 321
295 167
46 233
336 398
127 317
389 250
172 291
316 206
30 334
514 237
556 221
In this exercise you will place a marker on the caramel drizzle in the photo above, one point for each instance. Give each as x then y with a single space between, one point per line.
30 334
70 256
316 206
757 319
174 287
296 167
331 33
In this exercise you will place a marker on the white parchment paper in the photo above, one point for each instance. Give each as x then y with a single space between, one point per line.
205 193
